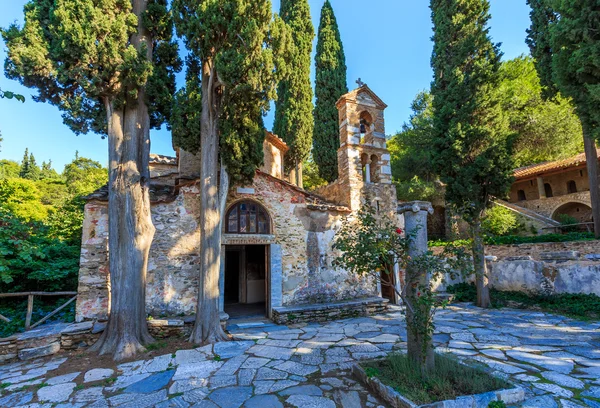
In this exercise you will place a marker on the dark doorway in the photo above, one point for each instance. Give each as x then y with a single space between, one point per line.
548 190
246 273
387 283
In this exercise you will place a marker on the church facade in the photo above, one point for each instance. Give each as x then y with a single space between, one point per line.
277 248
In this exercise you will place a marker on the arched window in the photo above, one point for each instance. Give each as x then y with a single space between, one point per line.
521 195
548 190
374 169
365 124
247 217
571 187
365 168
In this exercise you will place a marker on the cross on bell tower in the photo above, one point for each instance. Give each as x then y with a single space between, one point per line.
359 82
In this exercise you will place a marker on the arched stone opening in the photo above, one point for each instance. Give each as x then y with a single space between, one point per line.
521 195
571 187
365 167
247 217
548 190
375 169
365 123
581 212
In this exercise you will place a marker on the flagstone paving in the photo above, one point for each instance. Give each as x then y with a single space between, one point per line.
555 359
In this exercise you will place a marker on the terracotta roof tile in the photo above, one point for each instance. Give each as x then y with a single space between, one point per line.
541 168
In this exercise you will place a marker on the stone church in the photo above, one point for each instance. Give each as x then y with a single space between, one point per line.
277 243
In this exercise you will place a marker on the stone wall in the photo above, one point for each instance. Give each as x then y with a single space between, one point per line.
303 228
330 311
549 268
549 206
557 181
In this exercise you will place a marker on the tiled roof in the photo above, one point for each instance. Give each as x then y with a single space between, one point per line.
161 159
541 168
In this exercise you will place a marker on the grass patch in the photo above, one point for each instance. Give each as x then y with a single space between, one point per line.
578 306
449 380
157 345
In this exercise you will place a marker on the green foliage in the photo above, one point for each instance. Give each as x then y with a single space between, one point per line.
500 221
370 244
16 309
546 129
311 176
29 168
83 176
294 107
568 220
11 95
32 260
187 109
575 46
23 199
471 147
417 189
497 404
58 52
540 43
579 306
449 380
330 85
243 49
9 169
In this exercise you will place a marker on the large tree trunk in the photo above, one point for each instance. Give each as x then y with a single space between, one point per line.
481 280
299 176
208 326
591 158
130 226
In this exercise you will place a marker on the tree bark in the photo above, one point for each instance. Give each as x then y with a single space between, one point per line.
130 223
591 157
207 328
481 280
299 180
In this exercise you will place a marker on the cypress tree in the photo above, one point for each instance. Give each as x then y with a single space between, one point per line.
237 54
330 85
120 87
565 43
470 144
539 42
294 107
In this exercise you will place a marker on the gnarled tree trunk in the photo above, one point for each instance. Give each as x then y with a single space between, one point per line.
212 197
481 280
130 223
591 157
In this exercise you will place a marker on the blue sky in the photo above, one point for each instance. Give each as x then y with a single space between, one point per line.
387 44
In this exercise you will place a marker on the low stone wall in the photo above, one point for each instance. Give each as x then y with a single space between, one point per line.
584 248
329 311
571 267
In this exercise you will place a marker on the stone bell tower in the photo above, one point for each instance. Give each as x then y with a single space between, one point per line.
363 159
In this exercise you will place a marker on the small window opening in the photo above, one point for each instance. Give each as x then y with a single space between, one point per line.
365 168
571 187
531 182
580 173
548 190
521 195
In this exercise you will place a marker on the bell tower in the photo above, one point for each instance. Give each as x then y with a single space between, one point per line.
363 159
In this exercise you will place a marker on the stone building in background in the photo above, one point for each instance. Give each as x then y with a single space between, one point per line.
277 243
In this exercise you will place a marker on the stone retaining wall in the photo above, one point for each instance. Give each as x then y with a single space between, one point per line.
331 311
535 250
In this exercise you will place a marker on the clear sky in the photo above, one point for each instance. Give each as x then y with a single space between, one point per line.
387 44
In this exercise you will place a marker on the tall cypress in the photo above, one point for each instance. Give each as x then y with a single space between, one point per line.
330 85
470 141
294 107
538 40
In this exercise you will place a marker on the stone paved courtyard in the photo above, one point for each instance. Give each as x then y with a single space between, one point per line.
555 359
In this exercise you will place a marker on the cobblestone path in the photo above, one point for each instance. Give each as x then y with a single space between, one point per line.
555 359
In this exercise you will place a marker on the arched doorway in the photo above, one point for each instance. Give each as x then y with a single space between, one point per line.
575 210
246 269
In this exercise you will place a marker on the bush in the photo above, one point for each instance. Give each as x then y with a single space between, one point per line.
500 221
566 219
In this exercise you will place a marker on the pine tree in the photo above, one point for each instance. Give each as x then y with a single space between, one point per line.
119 86
237 50
294 107
564 41
471 147
25 164
330 85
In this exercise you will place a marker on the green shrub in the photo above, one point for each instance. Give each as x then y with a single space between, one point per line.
500 221
566 219
449 380
579 306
